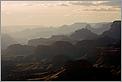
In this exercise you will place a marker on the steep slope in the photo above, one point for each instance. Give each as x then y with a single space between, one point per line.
115 31
99 28
83 34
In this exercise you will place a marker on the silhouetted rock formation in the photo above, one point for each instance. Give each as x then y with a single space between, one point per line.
57 48
48 41
19 50
115 31
99 28
83 34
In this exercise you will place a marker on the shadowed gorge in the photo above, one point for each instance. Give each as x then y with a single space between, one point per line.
77 40
80 56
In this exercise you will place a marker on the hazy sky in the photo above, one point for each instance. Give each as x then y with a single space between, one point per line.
56 13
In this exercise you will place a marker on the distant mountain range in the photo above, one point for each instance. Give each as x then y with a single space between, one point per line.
81 37
78 35
22 36
55 33
80 55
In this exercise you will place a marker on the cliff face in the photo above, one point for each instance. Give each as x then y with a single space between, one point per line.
115 31
83 34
